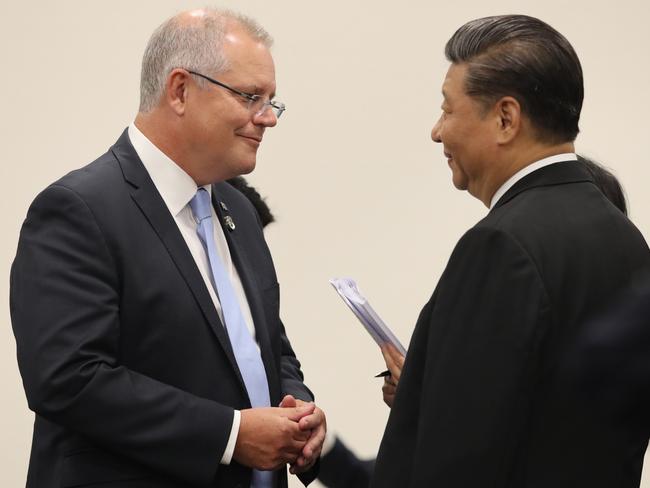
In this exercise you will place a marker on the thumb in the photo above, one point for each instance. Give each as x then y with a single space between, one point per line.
288 401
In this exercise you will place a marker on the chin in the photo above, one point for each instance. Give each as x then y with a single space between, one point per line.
247 168
459 181
460 186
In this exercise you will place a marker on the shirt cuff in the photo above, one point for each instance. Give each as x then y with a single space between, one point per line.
232 440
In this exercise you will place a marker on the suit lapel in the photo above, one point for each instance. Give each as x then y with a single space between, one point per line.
251 288
151 204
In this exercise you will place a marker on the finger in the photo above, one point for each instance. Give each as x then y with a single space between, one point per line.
291 451
388 393
384 352
390 361
301 469
301 462
307 452
389 399
395 357
398 359
302 465
296 413
296 469
307 422
291 430
301 435
314 444
395 354
313 420
288 402
294 450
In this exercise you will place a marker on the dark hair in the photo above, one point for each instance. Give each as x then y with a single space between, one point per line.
263 210
606 183
522 57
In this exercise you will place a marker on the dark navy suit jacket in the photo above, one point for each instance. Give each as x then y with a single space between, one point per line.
123 356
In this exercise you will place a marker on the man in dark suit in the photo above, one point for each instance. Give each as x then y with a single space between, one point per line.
481 400
144 300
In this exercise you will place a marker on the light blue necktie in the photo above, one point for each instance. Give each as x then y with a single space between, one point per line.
244 347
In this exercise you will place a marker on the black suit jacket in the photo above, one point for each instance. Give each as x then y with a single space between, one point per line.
609 366
122 353
482 401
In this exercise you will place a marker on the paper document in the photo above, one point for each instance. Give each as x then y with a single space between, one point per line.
349 292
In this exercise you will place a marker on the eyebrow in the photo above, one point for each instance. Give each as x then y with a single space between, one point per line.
257 91
252 89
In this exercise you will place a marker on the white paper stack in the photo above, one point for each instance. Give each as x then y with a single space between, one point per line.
378 330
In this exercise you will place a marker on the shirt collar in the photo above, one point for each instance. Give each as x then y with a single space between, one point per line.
526 170
175 186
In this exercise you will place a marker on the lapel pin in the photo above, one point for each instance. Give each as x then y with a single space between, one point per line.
223 206
230 223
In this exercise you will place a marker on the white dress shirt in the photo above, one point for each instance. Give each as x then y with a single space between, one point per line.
525 171
177 188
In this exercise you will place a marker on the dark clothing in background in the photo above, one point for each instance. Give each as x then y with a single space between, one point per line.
341 468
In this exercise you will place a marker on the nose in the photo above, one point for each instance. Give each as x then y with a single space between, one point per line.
266 118
435 131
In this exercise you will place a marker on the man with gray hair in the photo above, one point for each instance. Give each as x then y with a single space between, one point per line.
482 400
144 299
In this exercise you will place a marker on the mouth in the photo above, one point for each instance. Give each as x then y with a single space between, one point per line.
252 138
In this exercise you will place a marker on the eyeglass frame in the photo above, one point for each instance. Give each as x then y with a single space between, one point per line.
278 107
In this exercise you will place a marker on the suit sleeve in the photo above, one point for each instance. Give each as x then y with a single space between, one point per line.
292 379
485 333
65 307
292 384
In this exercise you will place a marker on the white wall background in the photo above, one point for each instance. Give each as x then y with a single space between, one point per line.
357 186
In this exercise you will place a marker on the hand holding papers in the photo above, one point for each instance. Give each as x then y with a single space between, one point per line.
379 331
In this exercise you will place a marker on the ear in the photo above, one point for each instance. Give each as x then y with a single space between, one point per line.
508 112
176 90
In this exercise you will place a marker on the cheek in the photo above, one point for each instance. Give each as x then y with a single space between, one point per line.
245 124
449 131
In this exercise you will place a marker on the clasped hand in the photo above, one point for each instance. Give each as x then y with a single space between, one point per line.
269 438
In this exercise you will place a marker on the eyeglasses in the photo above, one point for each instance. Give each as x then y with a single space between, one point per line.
256 104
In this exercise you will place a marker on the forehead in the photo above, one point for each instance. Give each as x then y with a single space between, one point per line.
248 58
453 84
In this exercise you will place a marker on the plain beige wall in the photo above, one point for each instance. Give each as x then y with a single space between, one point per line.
356 184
